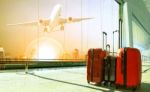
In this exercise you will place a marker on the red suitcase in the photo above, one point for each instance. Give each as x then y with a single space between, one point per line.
128 68
95 65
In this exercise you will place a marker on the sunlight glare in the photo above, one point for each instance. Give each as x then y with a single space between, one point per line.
44 48
46 52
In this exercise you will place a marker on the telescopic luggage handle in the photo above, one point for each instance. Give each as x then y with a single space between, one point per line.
104 35
108 48
114 39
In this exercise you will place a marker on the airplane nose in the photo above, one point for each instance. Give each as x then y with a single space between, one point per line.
40 21
69 19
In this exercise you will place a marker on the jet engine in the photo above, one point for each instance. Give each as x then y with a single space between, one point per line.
69 19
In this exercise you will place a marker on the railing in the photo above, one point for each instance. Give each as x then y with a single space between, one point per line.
40 62
145 59
2 60
55 62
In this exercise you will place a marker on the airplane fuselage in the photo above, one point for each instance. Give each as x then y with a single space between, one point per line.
53 21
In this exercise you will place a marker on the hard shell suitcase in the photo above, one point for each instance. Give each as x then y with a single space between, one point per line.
128 68
95 65
109 68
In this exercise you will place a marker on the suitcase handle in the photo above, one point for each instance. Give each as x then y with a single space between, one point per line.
113 40
108 47
104 35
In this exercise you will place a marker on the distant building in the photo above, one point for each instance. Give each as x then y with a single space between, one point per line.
66 55
2 54
75 54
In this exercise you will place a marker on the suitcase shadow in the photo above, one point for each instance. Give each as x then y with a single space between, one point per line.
70 83
145 87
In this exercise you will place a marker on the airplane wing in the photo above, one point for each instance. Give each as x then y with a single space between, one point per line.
72 20
25 23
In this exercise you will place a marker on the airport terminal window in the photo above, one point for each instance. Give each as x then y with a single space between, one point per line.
55 29
141 40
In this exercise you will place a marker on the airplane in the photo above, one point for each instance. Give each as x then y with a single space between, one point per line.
54 20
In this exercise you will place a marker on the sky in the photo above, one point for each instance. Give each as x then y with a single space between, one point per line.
82 35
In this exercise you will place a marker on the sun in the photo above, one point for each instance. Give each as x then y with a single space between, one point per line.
46 52
44 48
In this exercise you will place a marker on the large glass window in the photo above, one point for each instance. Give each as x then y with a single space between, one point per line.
55 29
141 39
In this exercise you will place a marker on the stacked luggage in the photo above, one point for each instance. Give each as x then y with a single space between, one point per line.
122 70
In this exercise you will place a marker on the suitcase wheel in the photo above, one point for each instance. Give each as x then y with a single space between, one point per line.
112 84
109 84
133 89
105 83
116 86
139 86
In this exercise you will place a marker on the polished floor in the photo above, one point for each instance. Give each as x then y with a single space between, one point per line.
59 80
